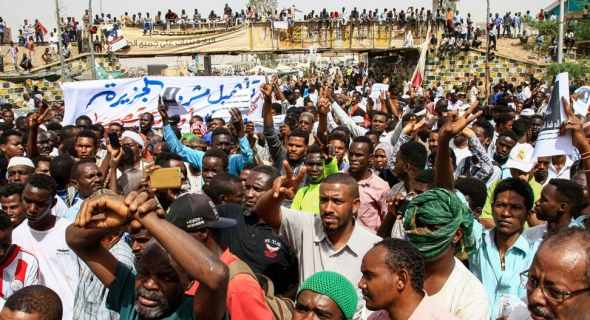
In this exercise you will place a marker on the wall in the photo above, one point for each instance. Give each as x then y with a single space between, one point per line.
13 92
455 70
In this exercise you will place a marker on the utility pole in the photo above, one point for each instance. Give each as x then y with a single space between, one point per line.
61 57
487 92
90 42
560 38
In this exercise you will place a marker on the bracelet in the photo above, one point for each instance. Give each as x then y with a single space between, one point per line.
585 158
587 170
585 154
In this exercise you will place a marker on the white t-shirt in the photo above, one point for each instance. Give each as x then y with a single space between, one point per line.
460 154
58 264
463 295
60 208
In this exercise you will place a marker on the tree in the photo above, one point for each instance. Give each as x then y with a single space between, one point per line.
263 6
577 70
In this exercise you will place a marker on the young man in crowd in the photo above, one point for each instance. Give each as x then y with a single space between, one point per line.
393 283
253 241
33 302
342 243
43 235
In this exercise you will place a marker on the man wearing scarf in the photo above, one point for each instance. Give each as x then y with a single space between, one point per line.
441 227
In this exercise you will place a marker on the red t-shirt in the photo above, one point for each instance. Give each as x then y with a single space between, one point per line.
245 298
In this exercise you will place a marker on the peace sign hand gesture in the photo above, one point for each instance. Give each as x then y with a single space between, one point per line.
328 150
266 88
287 185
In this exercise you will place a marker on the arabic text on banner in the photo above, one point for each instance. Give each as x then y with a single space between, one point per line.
549 143
125 100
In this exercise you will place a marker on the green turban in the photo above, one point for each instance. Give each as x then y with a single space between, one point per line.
439 207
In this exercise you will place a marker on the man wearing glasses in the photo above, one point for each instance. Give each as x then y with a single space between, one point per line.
558 282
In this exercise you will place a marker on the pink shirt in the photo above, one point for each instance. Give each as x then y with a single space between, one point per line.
427 310
373 194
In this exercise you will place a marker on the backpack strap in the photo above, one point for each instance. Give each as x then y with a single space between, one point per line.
239 267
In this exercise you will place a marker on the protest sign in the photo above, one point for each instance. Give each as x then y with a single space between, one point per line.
581 105
125 100
114 36
549 143
377 88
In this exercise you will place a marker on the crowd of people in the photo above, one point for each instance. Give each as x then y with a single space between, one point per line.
418 204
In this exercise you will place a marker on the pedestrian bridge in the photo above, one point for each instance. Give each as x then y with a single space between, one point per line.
266 37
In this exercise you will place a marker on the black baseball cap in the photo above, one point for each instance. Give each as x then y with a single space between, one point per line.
192 212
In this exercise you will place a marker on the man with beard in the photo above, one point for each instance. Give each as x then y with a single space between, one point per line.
504 251
330 241
168 267
253 241
220 139
43 235
146 121
319 166
560 201
557 284
373 190
12 203
393 283
87 179
507 139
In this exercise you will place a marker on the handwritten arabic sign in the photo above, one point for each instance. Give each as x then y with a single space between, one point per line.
124 100
172 42
549 143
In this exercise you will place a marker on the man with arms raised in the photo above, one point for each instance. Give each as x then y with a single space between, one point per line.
441 226
330 241
168 267
253 241
220 139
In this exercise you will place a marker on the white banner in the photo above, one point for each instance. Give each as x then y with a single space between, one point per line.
281 25
125 100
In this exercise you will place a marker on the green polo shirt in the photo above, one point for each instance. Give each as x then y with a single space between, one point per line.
122 297
487 209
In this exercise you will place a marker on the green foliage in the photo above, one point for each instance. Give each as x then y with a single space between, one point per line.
577 70
268 60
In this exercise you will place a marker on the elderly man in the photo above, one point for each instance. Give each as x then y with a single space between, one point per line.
557 283
325 294
169 265
135 142
393 283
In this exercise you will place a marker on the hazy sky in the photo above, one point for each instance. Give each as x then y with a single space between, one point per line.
15 11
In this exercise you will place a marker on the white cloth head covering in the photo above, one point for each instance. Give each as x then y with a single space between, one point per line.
134 136
20 161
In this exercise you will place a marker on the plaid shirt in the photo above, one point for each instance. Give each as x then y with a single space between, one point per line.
91 295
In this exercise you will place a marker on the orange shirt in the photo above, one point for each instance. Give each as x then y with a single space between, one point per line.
245 299
450 16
